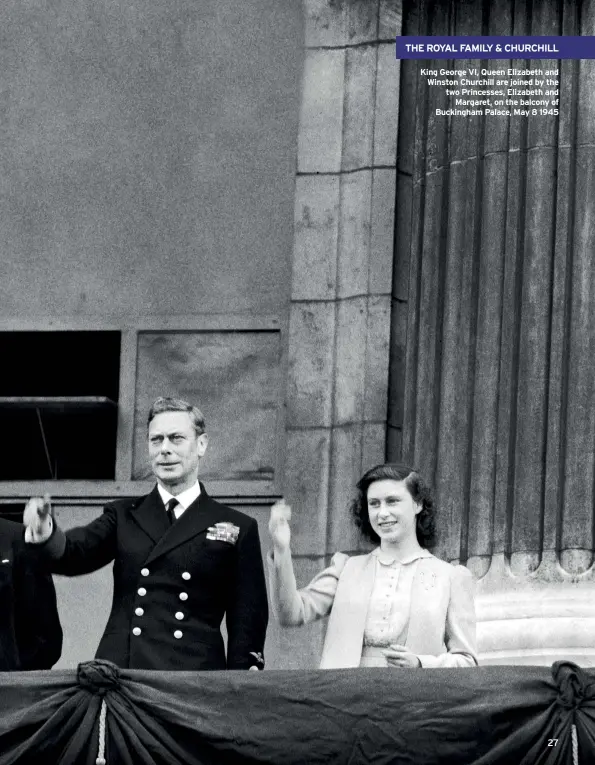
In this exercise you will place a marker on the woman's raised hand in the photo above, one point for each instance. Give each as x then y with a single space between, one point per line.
279 525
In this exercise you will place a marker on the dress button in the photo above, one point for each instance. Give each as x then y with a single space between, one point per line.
142 591
186 576
183 596
139 611
136 631
178 634
179 615
144 572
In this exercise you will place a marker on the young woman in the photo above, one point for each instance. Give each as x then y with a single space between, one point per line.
397 606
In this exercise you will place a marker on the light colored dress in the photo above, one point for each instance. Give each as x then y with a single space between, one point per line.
387 620
424 603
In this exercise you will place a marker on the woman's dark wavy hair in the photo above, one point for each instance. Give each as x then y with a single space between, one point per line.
419 490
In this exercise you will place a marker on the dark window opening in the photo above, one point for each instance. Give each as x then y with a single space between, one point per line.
12 511
58 405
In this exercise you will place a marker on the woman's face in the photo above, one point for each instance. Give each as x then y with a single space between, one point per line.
392 510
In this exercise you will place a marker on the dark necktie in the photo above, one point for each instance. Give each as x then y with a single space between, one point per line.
173 502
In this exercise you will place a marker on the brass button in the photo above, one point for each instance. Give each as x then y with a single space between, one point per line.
136 631
142 591
144 572
178 634
183 596
139 611
179 615
186 576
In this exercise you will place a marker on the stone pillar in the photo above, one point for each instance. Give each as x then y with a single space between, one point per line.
342 270
493 395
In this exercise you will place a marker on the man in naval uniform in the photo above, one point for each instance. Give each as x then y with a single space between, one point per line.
181 561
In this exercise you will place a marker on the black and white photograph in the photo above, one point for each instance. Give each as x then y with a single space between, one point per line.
297 339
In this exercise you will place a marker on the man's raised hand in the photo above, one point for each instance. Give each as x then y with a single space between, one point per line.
38 519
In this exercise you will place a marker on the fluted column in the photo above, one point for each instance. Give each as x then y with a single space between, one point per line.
494 311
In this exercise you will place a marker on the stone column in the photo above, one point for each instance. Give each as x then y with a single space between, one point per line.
342 270
495 316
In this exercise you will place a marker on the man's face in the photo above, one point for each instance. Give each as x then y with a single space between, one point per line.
175 450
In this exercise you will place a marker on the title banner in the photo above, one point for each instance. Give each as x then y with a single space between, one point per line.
484 47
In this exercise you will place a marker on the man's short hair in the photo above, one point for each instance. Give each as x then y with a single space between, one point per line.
163 404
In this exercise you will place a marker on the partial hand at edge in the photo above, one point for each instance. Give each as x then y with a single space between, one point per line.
38 519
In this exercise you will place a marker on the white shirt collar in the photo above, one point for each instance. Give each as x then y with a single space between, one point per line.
388 560
186 498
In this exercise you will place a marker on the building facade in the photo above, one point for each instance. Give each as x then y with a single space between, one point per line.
257 208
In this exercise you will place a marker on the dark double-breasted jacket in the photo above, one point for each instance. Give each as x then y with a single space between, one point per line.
173 584
30 632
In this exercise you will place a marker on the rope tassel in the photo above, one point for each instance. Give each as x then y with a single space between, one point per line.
101 750
99 677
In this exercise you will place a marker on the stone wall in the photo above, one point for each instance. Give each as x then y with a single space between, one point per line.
339 325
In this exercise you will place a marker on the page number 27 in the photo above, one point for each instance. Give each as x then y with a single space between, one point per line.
552 741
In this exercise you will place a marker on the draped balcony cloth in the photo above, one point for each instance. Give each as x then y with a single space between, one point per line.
481 716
